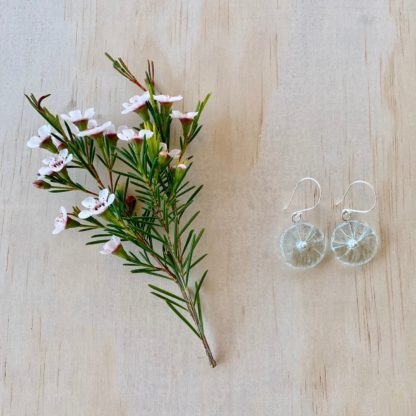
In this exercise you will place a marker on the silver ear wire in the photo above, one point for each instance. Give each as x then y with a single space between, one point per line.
346 212
297 215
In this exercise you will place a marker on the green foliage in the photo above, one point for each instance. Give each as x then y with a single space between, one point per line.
152 209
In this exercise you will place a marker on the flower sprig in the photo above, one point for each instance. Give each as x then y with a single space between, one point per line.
140 209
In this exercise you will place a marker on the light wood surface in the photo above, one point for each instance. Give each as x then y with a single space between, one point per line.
325 88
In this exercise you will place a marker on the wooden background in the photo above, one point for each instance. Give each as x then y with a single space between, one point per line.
300 87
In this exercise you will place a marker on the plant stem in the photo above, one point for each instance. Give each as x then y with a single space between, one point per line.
195 318
180 280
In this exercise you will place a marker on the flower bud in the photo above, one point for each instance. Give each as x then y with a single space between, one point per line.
163 158
131 204
180 171
41 184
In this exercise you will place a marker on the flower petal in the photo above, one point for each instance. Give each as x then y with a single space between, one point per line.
84 214
63 153
106 125
111 199
75 115
58 229
174 153
145 134
126 110
176 114
45 170
89 113
167 98
48 160
34 142
45 131
102 196
89 202
84 133
92 124
163 147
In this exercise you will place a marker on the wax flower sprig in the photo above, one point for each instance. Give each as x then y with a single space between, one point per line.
140 209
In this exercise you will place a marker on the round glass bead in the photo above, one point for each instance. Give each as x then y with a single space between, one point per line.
302 245
354 243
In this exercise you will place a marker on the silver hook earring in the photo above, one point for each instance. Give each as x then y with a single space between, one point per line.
353 242
303 245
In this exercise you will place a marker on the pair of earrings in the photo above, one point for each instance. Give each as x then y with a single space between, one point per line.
354 243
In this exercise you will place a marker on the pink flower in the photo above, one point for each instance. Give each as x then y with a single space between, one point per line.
173 154
128 135
184 117
77 117
167 99
181 166
43 139
110 132
136 103
60 222
94 130
111 246
55 163
96 206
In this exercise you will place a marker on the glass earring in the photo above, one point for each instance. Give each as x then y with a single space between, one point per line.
353 242
303 245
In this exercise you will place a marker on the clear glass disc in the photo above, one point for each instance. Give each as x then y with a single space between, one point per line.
354 243
302 245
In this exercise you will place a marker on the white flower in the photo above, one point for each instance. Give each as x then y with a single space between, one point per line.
76 116
145 134
44 134
173 154
96 206
110 129
167 99
93 129
55 163
135 103
111 246
128 135
60 221
181 166
110 132
184 116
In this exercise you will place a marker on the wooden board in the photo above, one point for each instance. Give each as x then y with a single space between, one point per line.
322 88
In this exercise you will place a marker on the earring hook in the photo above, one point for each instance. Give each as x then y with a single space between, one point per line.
346 212
297 215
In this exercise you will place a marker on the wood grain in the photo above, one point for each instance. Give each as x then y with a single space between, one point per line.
323 88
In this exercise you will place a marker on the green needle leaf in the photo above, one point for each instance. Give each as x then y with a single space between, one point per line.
183 318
